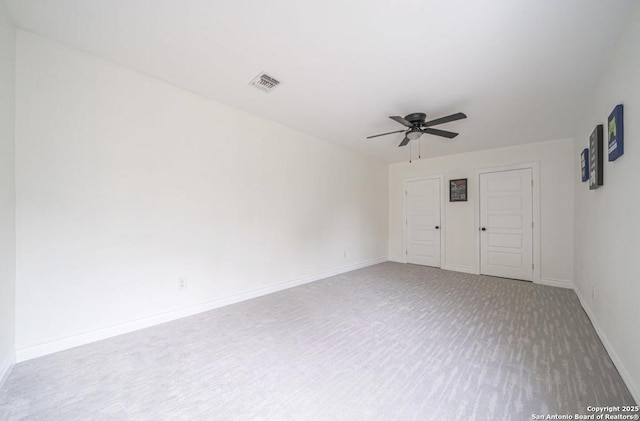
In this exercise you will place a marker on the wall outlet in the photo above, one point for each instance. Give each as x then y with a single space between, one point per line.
182 283
593 293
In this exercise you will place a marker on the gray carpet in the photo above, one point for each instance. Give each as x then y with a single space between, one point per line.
391 341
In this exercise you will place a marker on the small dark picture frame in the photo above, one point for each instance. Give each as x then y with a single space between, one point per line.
584 164
596 154
458 190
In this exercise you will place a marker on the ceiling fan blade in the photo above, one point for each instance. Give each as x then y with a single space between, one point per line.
447 119
404 141
384 134
437 132
401 120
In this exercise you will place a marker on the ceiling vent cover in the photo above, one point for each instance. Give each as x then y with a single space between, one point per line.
264 82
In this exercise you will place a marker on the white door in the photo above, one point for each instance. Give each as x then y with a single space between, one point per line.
506 224
423 222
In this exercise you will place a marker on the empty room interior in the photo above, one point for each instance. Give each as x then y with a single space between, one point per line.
336 210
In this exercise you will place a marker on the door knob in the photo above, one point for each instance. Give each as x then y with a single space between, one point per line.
483 229
437 227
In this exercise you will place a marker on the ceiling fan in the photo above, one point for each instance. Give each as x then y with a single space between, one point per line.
417 126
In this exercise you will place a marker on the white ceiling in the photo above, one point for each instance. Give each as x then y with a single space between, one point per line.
520 69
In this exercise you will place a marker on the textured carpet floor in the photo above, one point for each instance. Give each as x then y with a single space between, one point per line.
391 341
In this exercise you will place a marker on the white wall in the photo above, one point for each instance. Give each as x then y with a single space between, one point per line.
607 231
7 193
124 184
556 204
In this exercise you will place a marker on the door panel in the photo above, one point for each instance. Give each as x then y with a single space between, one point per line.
504 240
505 202
504 221
505 259
423 222
506 218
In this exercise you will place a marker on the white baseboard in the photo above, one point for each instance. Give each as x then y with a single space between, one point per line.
60 344
463 269
397 259
5 367
562 283
634 389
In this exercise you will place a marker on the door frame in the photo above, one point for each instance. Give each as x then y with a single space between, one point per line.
535 192
405 237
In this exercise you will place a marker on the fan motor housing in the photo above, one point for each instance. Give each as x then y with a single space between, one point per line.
416 118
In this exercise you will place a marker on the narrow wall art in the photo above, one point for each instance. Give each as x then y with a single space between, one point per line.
596 178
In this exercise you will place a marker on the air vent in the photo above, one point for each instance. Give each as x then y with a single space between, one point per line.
264 82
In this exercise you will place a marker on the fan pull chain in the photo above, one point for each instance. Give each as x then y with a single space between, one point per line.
419 148
410 152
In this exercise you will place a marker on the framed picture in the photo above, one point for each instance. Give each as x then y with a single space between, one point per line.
458 190
584 164
615 134
596 158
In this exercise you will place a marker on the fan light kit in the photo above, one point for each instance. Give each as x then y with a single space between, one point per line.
417 126
414 134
